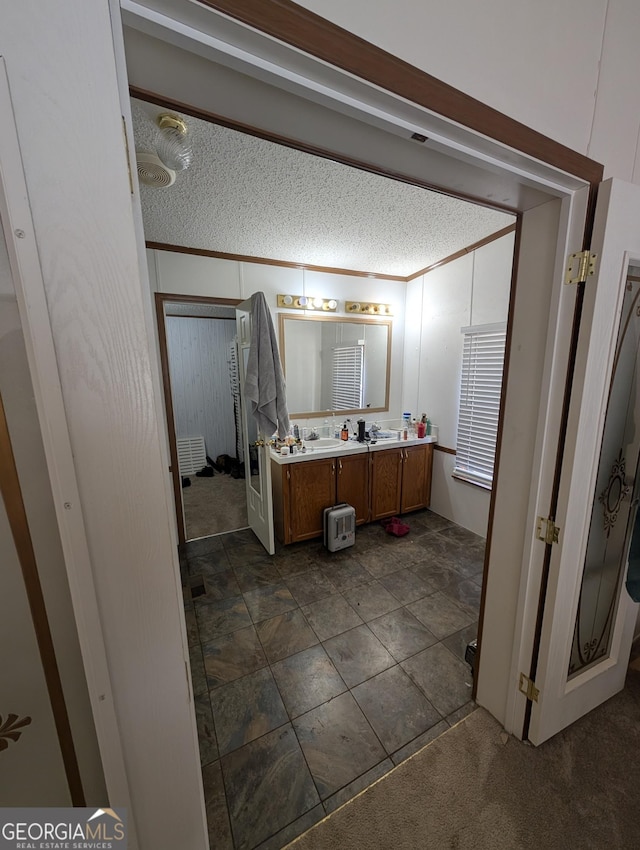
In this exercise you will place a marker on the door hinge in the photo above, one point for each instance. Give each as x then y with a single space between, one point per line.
528 688
580 267
547 530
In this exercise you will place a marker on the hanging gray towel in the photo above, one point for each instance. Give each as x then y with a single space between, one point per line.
264 383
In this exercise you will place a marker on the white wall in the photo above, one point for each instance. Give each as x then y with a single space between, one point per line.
198 352
472 290
520 59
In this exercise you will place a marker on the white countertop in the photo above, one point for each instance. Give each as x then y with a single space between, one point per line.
349 447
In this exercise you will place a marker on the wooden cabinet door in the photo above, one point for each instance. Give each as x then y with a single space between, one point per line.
416 477
352 477
386 478
312 488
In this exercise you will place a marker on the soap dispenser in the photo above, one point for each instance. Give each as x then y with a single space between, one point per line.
344 433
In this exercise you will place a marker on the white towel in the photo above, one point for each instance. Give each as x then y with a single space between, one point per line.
264 383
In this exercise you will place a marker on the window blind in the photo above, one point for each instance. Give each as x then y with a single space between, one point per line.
347 377
480 386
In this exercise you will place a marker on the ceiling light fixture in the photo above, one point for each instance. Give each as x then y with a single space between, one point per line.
174 147
172 153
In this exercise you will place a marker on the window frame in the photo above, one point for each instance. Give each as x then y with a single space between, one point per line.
479 402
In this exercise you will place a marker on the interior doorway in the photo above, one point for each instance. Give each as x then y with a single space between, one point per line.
202 403
260 629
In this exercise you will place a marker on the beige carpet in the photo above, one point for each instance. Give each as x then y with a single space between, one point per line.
214 505
475 787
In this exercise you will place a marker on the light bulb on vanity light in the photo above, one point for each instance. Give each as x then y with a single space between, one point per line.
288 300
332 304
317 303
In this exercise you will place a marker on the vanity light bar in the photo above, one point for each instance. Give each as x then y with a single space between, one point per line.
304 302
369 308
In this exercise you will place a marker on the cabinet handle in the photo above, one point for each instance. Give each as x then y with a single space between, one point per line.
340 464
333 467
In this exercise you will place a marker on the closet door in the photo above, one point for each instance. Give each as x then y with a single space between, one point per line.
28 736
589 617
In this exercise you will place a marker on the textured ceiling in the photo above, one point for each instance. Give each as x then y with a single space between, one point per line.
244 195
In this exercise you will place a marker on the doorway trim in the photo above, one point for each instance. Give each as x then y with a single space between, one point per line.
294 25
161 298
512 720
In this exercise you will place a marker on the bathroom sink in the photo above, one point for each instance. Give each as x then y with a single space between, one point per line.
323 443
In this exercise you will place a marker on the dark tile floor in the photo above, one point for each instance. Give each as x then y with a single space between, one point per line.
314 673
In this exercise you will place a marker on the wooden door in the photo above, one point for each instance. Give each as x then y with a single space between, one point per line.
416 477
386 482
312 488
353 484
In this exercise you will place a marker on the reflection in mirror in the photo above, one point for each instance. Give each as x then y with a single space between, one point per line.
335 364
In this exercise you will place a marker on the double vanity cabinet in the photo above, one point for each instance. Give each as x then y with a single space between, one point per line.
380 480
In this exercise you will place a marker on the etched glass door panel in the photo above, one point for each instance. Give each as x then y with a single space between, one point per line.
588 617
614 501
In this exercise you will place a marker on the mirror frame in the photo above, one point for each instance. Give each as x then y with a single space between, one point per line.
361 320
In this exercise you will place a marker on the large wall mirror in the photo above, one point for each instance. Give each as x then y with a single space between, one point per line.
334 363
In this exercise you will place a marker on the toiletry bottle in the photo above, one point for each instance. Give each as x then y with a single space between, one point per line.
344 434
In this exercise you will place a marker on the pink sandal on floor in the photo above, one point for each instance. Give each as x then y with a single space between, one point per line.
395 526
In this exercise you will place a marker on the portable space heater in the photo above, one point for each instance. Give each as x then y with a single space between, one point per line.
339 527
